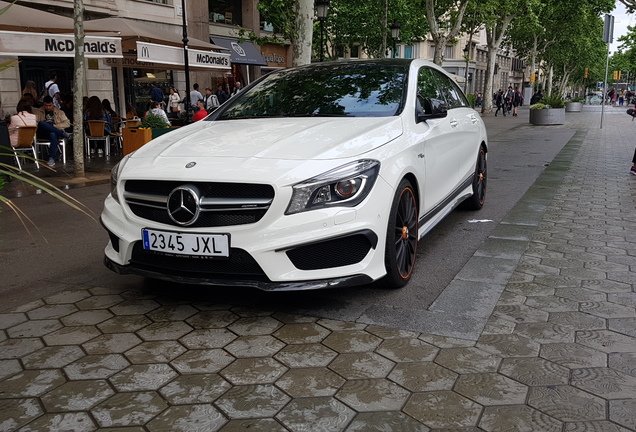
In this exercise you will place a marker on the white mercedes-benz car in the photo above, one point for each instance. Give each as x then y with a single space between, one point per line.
325 175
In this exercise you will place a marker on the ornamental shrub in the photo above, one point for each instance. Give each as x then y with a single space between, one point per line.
153 121
553 101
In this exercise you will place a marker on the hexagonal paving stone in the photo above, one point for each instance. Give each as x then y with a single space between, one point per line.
52 357
195 388
552 304
262 400
623 412
305 355
623 298
624 362
352 341
604 382
71 335
310 382
361 365
99 302
76 422
11 319
468 360
134 307
607 310
142 377
255 326
521 313
443 409
254 346
580 294
604 426
407 350
336 325
212 319
77 396
16 348
508 345
567 403
69 296
391 333
167 330
124 323
111 343
491 389
34 328
385 421
260 370
497 324
86 317
155 352
28 306
31 383
128 409
208 338
316 414
445 341
373 395
546 332
423 376
202 361
535 371
573 355
96 366
606 341
253 425
287 318
18 412
626 326
188 418
302 333
9 367
519 418
51 311
172 313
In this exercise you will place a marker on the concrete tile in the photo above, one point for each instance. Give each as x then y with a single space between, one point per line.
336 325
128 409
16 348
546 332
187 418
607 310
99 302
194 388
552 304
142 377
606 341
443 409
593 426
604 382
262 400
519 418
491 389
385 421
51 311
111 343
34 328
124 323
71 335
577 320
77 422
208 338
423 376
68 296
508 345
567 403
391 333
468 360
255 326
254 346
368 395
155 352
52 357
165 330
351 341
301 333
172 313
212 319
445 341
31 383
96 367
407 350
533 371
77 396
361 365
623 412
259 370
202 361
253 425
86 317
15 413
316 414
9 367
134 307
305 355
11 319
624 362
310 382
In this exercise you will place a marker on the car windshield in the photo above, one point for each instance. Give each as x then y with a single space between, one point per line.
364 89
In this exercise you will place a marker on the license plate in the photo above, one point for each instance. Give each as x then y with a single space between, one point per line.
186 244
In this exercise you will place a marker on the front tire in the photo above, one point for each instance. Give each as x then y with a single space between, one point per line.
480 181
401 237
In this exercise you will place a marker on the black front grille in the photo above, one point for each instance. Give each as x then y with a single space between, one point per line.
147 199
239 265
338 252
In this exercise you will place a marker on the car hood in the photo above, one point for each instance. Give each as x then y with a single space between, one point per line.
276 138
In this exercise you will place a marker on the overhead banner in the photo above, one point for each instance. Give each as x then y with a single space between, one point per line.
57 45
164 54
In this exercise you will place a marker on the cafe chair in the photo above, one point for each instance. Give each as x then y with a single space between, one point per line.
26 143
97 132
116 133
45 142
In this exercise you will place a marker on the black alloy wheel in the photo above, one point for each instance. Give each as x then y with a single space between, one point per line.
480 181
401 237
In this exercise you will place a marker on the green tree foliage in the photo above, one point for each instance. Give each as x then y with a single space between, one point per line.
444 20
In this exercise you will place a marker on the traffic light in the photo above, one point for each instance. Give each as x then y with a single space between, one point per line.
533 78
615 77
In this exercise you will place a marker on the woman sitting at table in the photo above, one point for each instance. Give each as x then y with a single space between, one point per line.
23 117
95 111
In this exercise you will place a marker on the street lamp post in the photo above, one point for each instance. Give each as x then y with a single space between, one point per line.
186 62
395 35
467 58
322 7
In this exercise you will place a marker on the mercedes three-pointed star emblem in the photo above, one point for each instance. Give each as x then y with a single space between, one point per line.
183 205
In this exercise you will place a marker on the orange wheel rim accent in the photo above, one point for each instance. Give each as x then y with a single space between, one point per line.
405 232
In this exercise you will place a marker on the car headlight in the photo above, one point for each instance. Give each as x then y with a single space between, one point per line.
345 186
114 175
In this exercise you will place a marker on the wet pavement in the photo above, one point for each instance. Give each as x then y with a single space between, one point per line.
540 333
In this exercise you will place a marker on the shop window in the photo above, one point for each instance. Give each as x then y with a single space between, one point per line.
225 12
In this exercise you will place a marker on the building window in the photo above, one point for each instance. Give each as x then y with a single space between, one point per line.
448 52
432 51
355 51
340 51
166 2
225 12
408 52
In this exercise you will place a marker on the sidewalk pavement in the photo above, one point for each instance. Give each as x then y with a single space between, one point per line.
556 352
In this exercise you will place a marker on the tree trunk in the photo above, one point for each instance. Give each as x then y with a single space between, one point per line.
305 30
548 81
78 90
442 36
494 37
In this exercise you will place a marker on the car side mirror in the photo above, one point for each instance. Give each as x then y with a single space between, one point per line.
431 108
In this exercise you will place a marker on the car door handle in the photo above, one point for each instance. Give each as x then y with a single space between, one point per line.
454 123
473 119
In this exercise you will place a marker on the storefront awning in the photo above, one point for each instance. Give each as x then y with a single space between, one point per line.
23 19
240 53
57 45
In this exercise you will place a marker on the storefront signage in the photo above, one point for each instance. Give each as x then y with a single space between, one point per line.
57 45
163 54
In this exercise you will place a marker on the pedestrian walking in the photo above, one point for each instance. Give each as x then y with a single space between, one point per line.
517 100
499 101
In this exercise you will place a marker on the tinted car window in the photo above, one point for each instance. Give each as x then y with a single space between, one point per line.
453 95
356 90
427 85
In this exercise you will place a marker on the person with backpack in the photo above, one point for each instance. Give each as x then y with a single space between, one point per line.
499 102
51 89
517 100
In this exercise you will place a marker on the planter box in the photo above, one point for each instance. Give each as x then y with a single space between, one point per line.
573 106
549 116
134 138
158 132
